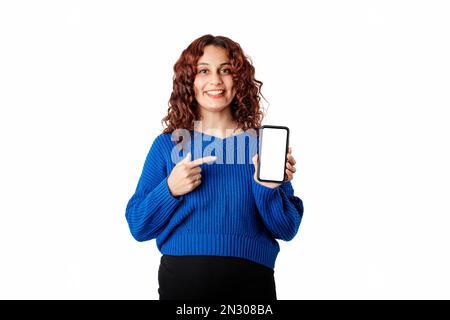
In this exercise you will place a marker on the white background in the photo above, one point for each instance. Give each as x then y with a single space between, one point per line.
363 86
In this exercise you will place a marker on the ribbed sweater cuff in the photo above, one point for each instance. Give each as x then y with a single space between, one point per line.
287 187
263 193
166 201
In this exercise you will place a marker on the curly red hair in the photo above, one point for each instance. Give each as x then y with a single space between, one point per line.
245 107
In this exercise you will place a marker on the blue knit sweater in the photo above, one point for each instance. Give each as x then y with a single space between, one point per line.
228 214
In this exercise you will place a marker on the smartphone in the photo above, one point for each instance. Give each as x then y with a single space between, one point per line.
273 149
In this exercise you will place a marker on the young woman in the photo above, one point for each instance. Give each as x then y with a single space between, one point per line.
215 224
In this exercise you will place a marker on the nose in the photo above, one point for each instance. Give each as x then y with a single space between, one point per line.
216 83
215 79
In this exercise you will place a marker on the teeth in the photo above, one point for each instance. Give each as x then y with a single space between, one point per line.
215 92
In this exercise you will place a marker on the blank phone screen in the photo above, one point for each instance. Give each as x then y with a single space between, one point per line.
272 154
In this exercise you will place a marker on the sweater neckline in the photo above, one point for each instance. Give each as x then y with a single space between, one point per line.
219 138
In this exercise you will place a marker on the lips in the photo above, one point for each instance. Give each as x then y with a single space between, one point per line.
215 93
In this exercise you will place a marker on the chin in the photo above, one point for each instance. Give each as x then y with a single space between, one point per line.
215 107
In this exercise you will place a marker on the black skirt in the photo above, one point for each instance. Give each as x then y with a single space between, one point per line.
215 278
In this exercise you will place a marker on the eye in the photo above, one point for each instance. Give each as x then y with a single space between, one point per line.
226 70
202 71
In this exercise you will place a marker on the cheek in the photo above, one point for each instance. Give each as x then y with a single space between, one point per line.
232 92
231 87
197 87
200 84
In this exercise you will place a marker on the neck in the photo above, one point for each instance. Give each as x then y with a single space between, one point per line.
219 124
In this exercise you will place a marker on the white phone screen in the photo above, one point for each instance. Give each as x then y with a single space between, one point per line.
272 153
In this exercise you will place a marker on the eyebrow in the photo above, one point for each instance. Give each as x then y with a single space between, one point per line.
207 64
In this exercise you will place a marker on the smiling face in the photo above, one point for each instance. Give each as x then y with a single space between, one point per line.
213 84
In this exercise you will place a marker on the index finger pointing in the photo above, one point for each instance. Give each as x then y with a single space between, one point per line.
199 161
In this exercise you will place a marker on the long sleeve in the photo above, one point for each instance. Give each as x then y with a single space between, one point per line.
280 210
152 204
